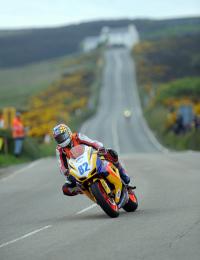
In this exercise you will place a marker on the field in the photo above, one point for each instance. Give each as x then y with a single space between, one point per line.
18 84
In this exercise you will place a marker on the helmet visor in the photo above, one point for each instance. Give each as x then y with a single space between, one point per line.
63 138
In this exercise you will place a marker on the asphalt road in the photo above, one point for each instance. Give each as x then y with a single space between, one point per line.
38 222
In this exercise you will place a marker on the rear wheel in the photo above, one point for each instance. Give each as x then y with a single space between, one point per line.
105 202
132 203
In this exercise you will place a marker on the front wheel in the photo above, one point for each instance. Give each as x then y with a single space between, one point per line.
105 202
132 203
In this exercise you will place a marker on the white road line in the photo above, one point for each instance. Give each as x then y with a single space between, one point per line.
115 135
12 175
114 119
24 236
86 209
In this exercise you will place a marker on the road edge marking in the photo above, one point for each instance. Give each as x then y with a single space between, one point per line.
86 209
25 236
11 175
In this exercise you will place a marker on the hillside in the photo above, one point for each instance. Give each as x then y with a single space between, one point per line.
19 84
20 47
169 84
168 58
64 90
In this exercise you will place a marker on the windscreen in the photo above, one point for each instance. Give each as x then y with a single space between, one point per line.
77 151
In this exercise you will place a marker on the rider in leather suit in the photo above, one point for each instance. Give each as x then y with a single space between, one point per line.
66 140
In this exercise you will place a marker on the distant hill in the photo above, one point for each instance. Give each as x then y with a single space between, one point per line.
20 47
166 59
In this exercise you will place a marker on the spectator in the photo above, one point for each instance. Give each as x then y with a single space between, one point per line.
18 134
197 116
197 122
171 119
1 121
179 126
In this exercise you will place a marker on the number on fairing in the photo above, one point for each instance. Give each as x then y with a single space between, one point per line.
83 168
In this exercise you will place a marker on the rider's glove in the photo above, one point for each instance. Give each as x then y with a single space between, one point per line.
109 154
113 156
102 151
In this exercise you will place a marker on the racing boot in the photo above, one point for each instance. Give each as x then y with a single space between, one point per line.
124 176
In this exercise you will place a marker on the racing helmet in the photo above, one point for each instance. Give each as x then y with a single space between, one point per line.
63 135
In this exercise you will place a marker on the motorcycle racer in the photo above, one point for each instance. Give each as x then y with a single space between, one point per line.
65 141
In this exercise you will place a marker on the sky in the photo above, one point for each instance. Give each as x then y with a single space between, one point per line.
53 13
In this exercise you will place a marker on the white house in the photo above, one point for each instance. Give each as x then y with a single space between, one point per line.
125 36
90 43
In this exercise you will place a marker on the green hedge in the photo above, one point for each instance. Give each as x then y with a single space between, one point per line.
186 87
33 148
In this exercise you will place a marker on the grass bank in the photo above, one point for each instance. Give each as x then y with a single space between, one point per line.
169 87
156 118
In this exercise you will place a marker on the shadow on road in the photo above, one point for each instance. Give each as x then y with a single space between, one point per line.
93 216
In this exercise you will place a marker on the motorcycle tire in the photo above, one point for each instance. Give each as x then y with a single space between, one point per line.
104 201
132 203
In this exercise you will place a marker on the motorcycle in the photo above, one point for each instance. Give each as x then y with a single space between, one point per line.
100 181
127 113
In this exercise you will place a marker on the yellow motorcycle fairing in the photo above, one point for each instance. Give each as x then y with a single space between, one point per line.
91 158
114 178
84 168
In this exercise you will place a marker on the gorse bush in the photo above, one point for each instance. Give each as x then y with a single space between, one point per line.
64 99
182 88
167 59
